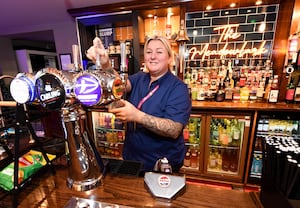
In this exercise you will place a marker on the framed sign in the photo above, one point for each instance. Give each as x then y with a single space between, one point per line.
65 61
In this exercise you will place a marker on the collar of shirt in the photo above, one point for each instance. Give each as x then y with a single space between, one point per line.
159 81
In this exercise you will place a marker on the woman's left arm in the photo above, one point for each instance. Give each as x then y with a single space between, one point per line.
162 126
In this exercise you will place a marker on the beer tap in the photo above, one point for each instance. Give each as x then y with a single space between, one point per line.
98 63
68 91
123 67
76 58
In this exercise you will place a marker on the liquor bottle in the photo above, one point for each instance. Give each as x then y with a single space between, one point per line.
274 91
200 73
194 73
187 159
155 30
186 133
267 88
187 75
201 92
260 89
234 158
253 91
220 94
230 73
194 159
243 78
290 91
297 93
212 89
192 130
225 160
213 163
268 69
227 79
244 96
236 93
236 134
194 91
235 77
228 94
169 26
219 159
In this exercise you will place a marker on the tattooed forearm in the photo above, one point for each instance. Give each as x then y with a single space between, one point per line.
162 126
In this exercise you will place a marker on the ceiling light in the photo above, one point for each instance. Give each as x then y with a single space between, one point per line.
232 5
209 7
258 2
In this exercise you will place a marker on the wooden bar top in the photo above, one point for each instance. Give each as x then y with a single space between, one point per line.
255 106
227 105
50 190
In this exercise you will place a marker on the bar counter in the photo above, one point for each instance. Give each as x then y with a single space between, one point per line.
247 106
50 190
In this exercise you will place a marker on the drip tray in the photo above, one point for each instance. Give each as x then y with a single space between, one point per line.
76 202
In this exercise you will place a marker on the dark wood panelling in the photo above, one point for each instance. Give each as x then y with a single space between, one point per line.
282 33
281 42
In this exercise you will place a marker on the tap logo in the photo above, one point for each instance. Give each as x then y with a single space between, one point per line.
88 90
22 89
87 85
50 91
164 181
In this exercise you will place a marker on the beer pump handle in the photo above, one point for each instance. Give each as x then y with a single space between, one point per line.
123 67
76 58
98 63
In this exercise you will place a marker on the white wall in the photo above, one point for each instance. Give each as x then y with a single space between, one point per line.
8 63
64 35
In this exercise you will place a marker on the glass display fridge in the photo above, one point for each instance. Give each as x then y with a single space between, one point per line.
226 146
109 134
216 145
193 136
270 124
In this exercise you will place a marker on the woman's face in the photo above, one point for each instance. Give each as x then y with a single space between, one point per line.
156 58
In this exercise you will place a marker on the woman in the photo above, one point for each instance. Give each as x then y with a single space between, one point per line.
157 109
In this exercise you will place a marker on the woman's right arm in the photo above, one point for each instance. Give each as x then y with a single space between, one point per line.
98 48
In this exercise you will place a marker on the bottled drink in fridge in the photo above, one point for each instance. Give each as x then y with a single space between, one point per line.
290 91
274 91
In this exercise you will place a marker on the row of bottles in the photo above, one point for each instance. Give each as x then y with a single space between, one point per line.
221 81
192 132
191 159
256 165
107 120
226 132
292 91
111 150
109 134
288 127
223 159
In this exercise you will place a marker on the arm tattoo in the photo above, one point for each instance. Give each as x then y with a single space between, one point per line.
162 126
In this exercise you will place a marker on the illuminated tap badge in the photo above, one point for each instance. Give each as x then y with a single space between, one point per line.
22 90
164 181
88 90
50 91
